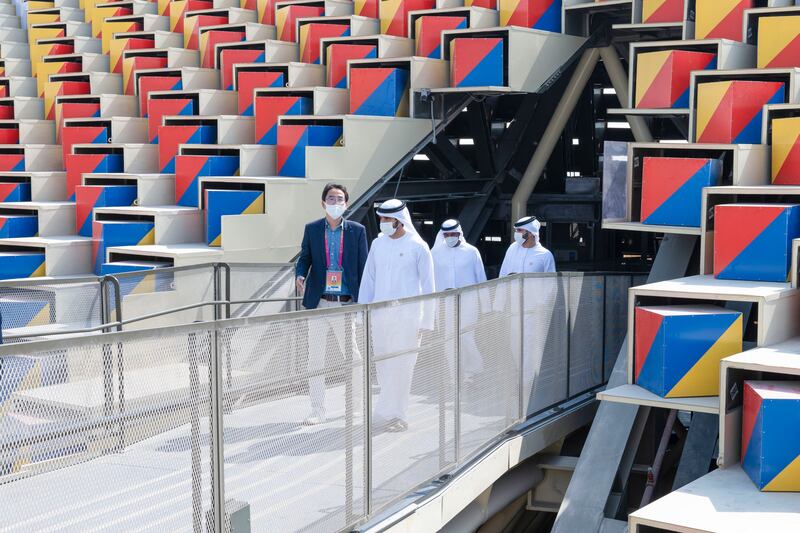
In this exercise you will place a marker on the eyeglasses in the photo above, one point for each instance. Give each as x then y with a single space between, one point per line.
334 200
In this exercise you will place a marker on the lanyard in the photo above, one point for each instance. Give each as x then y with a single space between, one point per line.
327 249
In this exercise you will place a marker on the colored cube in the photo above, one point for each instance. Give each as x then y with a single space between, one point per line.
488 4
192 25
250 80
87 197
15 192
6 111
25 311
118 46
188 168
286 17
537 14
677 349
9 135
82 135
265 12
311 34
655 11
106 234
269 108
672 189
171 137
18 226
662 78
61 88
786 151
79 164
394 14
753 241
161 107
428 30
12 162
220 203
366 8
74 110
210 39
720 19
232 56
44 71
379 91
156 83
292 142
778 42
771 434
21 265
337 57
477 62
131 64
178 9
729 112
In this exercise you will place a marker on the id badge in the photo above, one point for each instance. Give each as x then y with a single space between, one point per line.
333 281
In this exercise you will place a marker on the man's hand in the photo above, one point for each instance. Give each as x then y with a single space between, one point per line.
300 283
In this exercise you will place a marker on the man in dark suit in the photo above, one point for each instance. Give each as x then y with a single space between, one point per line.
328 274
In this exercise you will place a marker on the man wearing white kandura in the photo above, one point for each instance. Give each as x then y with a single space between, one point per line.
458 264
399 265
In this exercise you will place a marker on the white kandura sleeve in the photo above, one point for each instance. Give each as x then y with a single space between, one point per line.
480 271
427 285
504 268
550 265
366 292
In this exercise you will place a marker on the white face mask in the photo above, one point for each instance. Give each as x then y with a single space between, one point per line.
452 242
335 211
519 237
388 229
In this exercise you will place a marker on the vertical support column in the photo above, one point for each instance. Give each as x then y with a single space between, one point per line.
217 437
551 135
619 79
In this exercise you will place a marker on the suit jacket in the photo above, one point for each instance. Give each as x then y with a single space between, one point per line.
311 263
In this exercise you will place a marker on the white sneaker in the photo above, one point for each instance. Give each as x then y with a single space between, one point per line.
313 420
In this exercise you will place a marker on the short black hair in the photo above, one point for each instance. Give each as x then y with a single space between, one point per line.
330 186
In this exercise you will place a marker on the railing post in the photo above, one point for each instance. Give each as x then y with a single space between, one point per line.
108 365
217 437
348 416
568 302
120 358
441 326
521 383
194 435
457 400
367 413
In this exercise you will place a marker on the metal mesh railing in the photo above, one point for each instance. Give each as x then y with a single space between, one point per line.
107 433
155 429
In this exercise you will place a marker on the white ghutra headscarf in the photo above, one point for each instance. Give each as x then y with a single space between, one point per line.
531 224
448 226
397 209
